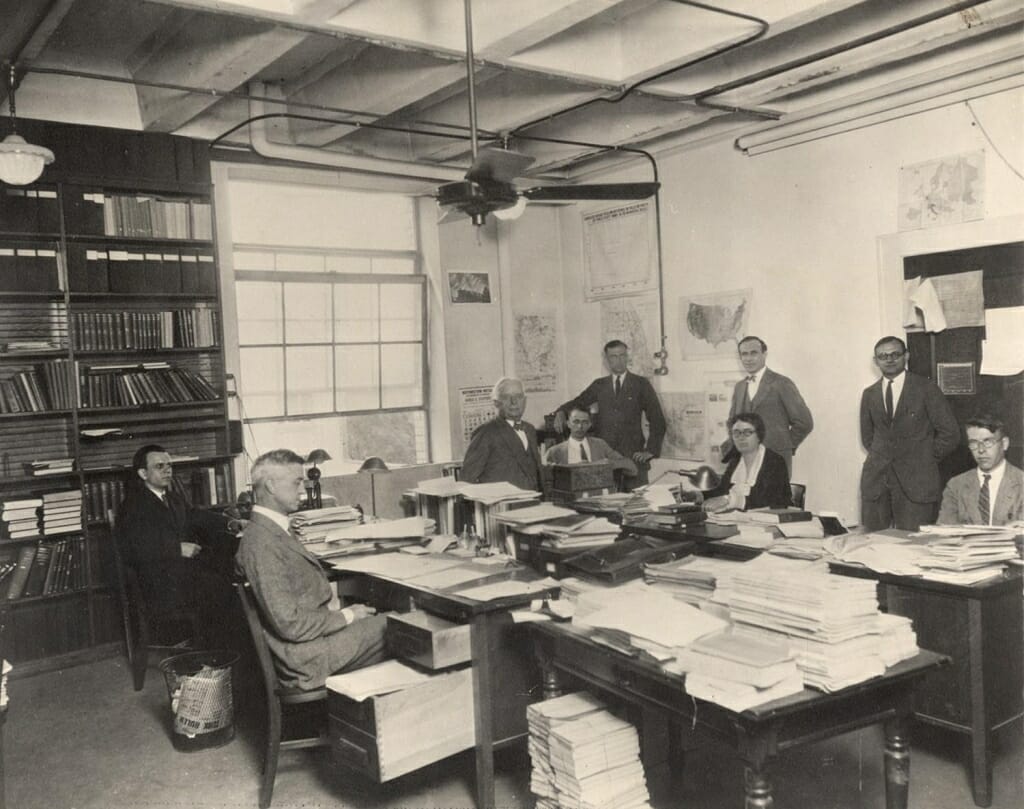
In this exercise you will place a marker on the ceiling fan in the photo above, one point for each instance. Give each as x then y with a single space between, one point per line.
488 186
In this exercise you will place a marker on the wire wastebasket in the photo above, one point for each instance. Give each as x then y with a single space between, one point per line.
202 704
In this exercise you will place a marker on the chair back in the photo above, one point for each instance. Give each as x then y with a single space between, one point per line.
252 619
797 493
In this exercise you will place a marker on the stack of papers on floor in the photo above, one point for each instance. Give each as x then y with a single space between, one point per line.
692 579
831 621
316 525
62 512
899 641
541 717
593 762
383 678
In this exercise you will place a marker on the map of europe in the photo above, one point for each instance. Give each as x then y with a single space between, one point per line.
942 192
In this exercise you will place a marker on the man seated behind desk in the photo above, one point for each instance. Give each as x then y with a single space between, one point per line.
309 641
991 494
581 448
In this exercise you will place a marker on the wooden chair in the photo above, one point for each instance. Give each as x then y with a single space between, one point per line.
797 491
279 698
135 618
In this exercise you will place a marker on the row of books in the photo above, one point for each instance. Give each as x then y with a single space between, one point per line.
97 269
29 210
151 383
45 568
139 216
47 515
47 387
178 328
29 269
102 497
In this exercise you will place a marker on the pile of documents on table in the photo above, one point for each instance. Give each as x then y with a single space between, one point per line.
560 527
372 537
830 622
693 579
738 669
583 756
956 554
319 524
491 493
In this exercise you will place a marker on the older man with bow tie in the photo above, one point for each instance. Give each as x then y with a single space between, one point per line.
505 448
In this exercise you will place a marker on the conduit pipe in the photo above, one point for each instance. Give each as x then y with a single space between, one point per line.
263 146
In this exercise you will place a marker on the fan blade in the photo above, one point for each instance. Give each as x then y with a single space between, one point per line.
592 191
498 164
450 215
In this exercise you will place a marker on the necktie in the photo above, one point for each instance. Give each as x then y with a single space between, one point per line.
748 404
583 453
518 426
983 504
618 385
888 400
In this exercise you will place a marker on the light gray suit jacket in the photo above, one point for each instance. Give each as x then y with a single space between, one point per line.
960 499
787 419
599 451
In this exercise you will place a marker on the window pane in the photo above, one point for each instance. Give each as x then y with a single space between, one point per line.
307 310
355 313
261 381
394 266
300 262
402 375
401 312
397 438
259 312
310 380
358 377
253 260
359 264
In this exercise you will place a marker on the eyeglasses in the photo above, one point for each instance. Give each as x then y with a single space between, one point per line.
984 443
162 466
889 356
743 433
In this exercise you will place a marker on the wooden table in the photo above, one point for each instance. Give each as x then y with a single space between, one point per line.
504 673
759 734
980 626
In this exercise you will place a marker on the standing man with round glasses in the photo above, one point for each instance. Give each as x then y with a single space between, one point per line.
907 427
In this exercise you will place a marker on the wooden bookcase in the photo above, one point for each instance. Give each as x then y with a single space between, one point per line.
110 338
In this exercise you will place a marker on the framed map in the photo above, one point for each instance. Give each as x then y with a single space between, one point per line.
536 352
942 192
635 322
712 325
620 251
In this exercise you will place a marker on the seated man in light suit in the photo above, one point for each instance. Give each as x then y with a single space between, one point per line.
581 448
992 494
505 448
309 640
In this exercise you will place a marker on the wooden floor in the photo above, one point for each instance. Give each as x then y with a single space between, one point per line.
83 739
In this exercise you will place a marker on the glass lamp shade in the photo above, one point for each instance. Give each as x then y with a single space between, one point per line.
21 163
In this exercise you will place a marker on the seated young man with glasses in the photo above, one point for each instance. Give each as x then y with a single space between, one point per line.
991 494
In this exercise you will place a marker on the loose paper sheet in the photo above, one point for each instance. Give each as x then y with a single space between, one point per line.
1001 352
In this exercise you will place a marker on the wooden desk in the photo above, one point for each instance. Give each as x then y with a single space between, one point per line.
504 676
759 734
980 627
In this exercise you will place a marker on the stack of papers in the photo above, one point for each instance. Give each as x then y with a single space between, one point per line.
831 621
537 515
446 486
316 525
384 535
899 641
541 718
595 761
749 536
62 512
383 678
491 493
692 579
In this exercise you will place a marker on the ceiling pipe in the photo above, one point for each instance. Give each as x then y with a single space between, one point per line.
265 147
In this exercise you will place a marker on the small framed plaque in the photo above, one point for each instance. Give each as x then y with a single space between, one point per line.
956 378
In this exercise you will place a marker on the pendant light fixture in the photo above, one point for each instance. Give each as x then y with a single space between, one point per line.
21 162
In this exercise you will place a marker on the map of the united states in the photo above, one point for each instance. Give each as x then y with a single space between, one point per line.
715 324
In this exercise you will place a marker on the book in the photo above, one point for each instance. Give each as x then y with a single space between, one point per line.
19 578
739 658
37 574
774 516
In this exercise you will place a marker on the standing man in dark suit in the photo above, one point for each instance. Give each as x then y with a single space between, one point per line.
907 427
308 639
505 448
622 400
180 554
774 398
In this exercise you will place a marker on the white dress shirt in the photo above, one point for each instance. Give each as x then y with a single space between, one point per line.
897 390
574 453
755 383
521 433
743 480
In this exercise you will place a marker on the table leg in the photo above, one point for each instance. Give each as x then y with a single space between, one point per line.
758 787
480 645
897 763
981 759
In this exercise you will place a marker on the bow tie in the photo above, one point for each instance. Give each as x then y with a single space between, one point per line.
752 378
517 426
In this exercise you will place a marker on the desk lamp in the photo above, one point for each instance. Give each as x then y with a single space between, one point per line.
374 464
313 473
703 477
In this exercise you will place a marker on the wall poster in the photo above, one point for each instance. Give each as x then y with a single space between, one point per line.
620 251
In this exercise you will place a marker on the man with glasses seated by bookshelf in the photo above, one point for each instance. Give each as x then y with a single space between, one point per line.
182 555
993 492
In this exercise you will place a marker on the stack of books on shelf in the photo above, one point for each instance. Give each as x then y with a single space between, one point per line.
130 331
738 670
595 763
102 497
62 512
56 466
20 518
30 346
541 718
45 568
693 579
149 383
39 390
829 621
139 216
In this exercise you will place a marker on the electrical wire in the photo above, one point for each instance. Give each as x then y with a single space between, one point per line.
991 142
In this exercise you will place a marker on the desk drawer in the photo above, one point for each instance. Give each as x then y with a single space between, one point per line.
428 640
392 734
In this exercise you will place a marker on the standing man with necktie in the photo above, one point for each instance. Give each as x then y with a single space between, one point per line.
991 494
907 427
622 400
774 398
505 448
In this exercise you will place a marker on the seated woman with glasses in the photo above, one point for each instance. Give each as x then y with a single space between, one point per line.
756 477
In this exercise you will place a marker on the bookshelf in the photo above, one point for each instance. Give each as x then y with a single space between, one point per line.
110 338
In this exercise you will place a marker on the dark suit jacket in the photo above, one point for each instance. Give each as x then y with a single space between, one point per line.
495 454
619 417
787 419
150 536
770 490
960 499
923 431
